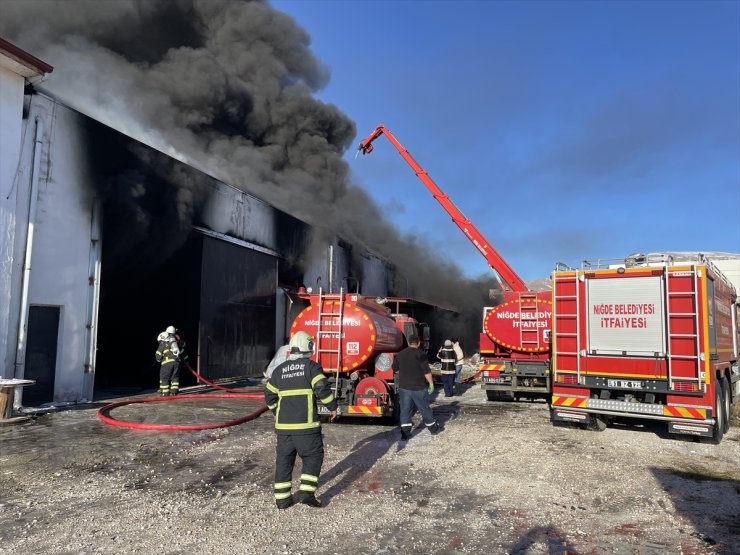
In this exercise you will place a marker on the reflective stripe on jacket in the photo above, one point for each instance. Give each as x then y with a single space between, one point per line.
168 351
447 356
291 394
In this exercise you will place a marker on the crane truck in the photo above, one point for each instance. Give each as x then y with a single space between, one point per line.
515 337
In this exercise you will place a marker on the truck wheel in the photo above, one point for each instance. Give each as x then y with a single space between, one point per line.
596 424
493 395
726 402
718 430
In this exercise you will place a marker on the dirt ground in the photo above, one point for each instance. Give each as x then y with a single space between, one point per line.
500 478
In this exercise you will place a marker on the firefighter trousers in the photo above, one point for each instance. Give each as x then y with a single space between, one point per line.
310 448
169 378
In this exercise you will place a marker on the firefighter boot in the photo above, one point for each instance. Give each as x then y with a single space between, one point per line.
311 501
458 388
285 503
434 429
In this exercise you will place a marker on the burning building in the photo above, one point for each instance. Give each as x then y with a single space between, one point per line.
186 175
109 240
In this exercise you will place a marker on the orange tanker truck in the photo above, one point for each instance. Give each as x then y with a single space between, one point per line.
355 341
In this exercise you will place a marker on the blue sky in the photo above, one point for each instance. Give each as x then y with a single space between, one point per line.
563 130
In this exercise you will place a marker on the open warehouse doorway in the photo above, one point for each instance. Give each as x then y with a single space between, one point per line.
220 295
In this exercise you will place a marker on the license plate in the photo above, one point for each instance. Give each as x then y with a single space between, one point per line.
323 410
625 384
495 380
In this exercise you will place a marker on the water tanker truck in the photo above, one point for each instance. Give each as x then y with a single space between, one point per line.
355 341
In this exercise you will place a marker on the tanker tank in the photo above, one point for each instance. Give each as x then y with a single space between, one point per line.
367 330
522 322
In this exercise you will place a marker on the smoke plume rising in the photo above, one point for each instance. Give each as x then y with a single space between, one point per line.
227 85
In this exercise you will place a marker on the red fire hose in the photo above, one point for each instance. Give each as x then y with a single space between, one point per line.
473 377
231 394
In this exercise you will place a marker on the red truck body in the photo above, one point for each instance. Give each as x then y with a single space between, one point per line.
515 346
645 339
355 342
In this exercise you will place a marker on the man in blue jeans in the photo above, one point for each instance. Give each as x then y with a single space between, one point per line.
414 381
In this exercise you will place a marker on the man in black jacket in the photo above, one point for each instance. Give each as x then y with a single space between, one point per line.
291 394
414 382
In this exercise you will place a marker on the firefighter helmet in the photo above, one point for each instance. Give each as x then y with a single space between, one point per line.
301 342
171 330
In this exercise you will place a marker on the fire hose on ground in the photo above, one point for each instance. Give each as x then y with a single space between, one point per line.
230 394
473 377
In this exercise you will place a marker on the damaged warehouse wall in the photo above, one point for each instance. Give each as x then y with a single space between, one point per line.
228 88
178 247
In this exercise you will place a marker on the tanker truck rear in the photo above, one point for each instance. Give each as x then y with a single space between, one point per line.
355 342
515 346
646 338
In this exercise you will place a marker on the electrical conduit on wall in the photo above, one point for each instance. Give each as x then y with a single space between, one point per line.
20 353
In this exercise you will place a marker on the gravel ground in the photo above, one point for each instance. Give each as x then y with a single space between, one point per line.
499 479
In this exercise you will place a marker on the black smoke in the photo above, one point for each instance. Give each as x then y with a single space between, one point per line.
227 86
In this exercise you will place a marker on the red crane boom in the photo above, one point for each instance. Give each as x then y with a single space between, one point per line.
509 277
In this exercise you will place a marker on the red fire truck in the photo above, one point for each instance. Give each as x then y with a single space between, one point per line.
645 338
515 341
356 339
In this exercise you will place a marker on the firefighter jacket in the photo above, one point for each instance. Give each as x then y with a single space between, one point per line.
447 356
170 349
291 394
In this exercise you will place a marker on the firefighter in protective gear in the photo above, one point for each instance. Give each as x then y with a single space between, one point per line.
447 357
291 394
170 352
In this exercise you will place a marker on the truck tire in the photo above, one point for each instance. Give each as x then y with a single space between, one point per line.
726 402
595 424
718 430
493 395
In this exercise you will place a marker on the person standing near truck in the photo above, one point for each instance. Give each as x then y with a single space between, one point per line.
459 356
414 380
446 356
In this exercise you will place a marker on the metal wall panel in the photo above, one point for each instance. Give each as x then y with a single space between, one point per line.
237 310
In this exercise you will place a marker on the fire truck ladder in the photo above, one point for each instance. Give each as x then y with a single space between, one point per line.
529 333
671 296
557 335
329 341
